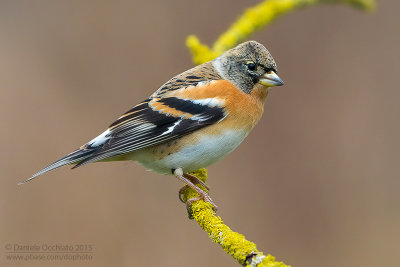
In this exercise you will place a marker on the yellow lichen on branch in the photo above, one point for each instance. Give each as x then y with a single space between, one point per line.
255 18
235 244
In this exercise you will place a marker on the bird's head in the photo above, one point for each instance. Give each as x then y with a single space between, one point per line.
248 64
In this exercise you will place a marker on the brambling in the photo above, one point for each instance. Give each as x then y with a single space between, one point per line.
193 120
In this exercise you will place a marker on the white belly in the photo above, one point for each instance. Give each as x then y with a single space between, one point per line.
208 150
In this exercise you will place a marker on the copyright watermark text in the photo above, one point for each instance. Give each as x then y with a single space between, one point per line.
48 252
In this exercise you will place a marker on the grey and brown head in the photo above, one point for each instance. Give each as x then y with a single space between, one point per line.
246 65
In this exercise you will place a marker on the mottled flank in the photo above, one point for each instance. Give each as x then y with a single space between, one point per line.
163 150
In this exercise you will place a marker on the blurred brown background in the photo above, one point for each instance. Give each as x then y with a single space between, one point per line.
315 184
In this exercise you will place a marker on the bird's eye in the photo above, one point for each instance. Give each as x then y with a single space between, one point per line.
251 66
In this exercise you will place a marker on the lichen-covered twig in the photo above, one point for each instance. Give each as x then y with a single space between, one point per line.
235 244
255 18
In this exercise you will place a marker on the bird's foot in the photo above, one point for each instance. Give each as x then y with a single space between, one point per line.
196 180
182 192
190 181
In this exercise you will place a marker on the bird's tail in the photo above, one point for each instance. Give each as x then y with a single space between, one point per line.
74 157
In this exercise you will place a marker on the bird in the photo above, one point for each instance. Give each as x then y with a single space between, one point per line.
193 120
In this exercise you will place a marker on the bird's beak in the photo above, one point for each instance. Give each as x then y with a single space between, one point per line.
270 79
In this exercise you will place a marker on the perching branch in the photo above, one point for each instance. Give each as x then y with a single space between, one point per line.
253 19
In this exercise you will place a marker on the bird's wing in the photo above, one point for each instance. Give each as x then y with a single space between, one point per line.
154 121
162 117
